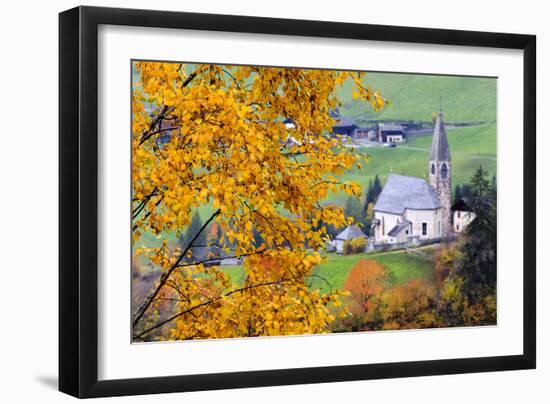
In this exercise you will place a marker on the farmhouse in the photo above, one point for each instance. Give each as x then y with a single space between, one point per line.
462 215
386 133
348 234
411 210
348 127
345 126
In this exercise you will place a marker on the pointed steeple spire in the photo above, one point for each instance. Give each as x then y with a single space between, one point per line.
440 145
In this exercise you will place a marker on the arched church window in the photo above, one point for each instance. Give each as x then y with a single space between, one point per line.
444 170
432 170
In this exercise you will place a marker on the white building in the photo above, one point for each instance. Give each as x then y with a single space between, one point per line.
407 208
411 209
462 215
390 133
348 234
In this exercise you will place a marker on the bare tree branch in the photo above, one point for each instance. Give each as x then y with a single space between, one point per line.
221 296
153 124
210 301
164 277
134 227
143 202
211 259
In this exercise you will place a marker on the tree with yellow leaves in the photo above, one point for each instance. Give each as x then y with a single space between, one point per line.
214 137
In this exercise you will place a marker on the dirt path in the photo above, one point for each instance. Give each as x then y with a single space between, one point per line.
401 250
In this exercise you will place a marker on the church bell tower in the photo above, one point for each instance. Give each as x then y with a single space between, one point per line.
440 172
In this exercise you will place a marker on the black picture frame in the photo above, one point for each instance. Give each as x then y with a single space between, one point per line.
78 196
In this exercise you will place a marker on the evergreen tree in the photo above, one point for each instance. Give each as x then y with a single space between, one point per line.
368 196
373 191
458 193
480 183
186 238
494 187
462 192
466 191
353 208
376 189
478 266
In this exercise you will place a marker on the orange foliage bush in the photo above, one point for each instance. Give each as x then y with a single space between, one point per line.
375 304
411 305
365 282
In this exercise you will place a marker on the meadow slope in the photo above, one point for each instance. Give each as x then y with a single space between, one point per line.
417 97
470 147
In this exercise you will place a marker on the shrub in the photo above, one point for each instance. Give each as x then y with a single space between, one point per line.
410 305
355 246
365 282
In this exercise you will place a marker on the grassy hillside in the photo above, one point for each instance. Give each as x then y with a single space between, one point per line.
333 272
470 148
473 140
401 265
417 97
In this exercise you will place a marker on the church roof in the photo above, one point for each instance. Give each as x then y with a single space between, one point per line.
402 192
440 146
350 233
398 228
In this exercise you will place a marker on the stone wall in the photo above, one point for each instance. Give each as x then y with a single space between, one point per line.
443 189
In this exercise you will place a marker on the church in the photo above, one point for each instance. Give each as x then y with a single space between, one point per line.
413 210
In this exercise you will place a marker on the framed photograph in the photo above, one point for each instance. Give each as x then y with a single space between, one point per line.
250 201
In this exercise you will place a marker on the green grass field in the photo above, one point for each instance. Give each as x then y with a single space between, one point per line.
417 97
236 273
470 147
332 273
473 140
402 266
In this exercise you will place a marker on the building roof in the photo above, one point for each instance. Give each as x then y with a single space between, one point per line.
390 127
344 122
402 192
399 228
440 146
462 204
350 233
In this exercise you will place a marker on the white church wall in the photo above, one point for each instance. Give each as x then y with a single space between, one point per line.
403 236
387 222
432 218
